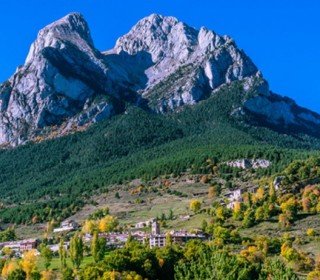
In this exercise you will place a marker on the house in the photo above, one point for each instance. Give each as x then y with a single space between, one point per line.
27 245
70 223
156 239
21 245
65 226
144 224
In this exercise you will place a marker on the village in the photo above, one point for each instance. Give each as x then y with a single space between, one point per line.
154 238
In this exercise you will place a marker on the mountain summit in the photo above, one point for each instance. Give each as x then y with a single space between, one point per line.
160 65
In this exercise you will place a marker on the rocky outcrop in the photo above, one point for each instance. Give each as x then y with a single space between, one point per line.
161 65
59 83
249 163
182 65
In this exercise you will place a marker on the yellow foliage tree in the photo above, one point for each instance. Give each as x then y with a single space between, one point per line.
259 195
48 275
237 210
195 205
314 275
220 214
284 221
108 224
311 232
29 262
9 267
89 226
290 208
111 275
252 254
212 193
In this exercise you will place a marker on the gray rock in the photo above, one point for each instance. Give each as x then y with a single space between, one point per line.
161 64
249 163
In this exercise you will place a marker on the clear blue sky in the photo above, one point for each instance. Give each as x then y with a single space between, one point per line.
281 36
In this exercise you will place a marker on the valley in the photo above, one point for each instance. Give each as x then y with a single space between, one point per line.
165 157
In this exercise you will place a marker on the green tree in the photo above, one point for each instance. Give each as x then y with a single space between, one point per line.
90 273
98 247
170 216
67 274
62 255
248 218
76 250
17 274
46 254
8 235
275 269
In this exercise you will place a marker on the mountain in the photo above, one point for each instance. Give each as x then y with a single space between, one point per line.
161 66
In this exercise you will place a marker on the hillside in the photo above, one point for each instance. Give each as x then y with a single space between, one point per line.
53 178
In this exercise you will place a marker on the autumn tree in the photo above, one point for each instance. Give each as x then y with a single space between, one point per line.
48 275
214 191
108 224
284 221
195 205
89 226
237 210
259 214
29 262
290 208
9 267
49 228
259 195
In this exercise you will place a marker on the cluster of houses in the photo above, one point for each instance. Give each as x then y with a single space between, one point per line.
158 239
20 246
155 238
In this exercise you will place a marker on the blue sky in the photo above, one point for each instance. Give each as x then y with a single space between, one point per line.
281 36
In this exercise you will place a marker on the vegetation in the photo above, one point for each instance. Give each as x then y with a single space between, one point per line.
53 179
56 178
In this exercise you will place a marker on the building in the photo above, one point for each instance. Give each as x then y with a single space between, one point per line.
157 240
21 245
27 245
147 223
155 228
68 225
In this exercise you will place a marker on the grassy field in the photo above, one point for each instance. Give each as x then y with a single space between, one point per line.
55 263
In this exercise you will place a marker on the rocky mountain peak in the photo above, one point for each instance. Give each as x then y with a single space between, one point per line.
161 64
164 46
72 28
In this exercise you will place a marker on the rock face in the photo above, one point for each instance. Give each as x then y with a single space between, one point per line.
249 163
58 84
181 65
161 65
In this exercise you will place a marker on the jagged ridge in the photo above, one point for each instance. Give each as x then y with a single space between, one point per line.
162 64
